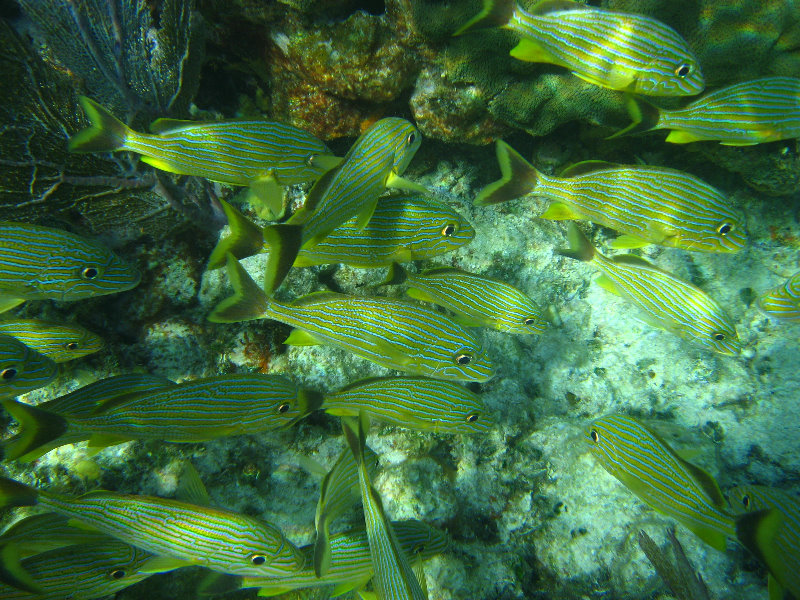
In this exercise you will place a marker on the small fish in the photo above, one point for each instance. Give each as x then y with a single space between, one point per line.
393 333
192 411
648 205
780 552
82 572
375 162
40 263
415 402
60 342
260 155
394 578
402 228
647 466
182 534
477 301
665 301
783 302
22 369
611 49
351 564
745 114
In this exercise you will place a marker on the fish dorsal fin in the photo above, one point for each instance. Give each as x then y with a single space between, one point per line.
632 260
706 482
191 488
160 126
586 166
549 6
316 298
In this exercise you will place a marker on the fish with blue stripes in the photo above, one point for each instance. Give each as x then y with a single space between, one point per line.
476 300
665 301
188 534
648 467
414 402
60 342
647 204
193 411
393 333
83 571
41 263
351 564
608 48
375 162
780 552
394 578
744 114
260 155
403 227
22 369
783 302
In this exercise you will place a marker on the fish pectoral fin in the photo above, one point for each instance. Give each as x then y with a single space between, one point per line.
605 282
682 137
365 215
627 241
265 195
396 182
326 162
418 294
299 337
7 302
713 538
468 320
530 51
349 586
273 590
104 440
162 564
558 211
158 163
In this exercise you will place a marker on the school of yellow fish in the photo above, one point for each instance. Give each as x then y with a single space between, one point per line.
348 217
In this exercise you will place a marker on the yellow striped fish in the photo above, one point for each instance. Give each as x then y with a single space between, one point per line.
648 467
648 205
415 402
664 300
192 411
22 369
745 114
476 300
217 539
783 302
375 162
82 572
781 552
40 263
60 342
393 333
260 155
394 578
616 50
402 228
351 563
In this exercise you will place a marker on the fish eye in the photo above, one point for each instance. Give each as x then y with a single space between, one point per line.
746 501
463 359
417 549
117 574
594 435
530 321
412 137
719 336
448 230
8 374
683 70
284 407
724 229
89 273
72 346
472 417
257 559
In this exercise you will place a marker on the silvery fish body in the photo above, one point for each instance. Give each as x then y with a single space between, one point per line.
783 302
612 49
60 342
40 263
648 467
22 369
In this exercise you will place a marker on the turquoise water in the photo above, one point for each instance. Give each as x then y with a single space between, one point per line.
529 510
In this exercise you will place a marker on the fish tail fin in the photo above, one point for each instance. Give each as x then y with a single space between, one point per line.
397 275
284 243
756 531
106 132
37 428
14 493
13 573
322 548
580 248
246 238
644 117
309 400
248 301
495 13
519 177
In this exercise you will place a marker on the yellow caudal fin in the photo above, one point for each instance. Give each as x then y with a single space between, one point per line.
284 242
644 117
396 275
495 13
246 238
106 133
37 429
13 573
518 177
248 301
580 248
756 531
